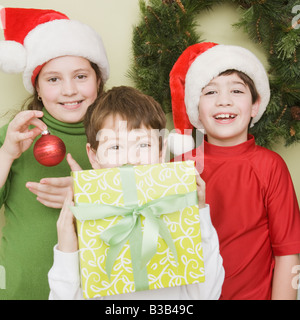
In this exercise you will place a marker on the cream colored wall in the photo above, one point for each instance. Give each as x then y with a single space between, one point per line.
114 20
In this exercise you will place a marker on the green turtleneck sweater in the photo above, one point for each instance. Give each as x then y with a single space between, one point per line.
29 234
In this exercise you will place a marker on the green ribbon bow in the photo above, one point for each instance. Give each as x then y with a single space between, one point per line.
142 246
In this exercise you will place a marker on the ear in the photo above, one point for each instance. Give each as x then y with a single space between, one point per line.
91 153
37 88
163 151
98 85
255 107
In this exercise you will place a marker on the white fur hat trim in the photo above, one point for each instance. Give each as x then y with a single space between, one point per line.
60 38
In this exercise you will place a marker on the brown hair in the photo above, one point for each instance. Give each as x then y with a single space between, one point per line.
130 104
33 102
246 79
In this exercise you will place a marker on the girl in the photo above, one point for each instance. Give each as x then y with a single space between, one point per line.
64 65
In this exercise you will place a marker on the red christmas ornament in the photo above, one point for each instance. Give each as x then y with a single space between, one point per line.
49 150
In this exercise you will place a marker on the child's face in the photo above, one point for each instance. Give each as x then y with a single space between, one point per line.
225 110
67 86
119 146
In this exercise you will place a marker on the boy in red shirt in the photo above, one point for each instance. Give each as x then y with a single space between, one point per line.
253 203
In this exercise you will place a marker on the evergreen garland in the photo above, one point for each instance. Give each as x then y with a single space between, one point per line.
167 28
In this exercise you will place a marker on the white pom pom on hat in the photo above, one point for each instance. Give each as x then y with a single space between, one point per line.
195 68
12 57
35 36
180 143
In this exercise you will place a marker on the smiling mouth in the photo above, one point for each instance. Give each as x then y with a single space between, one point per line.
225 116
72 104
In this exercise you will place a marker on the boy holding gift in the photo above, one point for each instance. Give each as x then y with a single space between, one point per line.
122 128
223 89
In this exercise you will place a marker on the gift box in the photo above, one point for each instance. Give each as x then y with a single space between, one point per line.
138 228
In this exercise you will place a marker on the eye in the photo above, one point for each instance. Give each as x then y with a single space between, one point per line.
210 92
116 147
237 91
81 76
144 145
53 79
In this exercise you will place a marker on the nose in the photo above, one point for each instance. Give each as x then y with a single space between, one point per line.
128 156
69 87
133 157
224 99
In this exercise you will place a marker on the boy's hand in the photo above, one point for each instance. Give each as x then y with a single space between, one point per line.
72 163
51 192
200 190
66 230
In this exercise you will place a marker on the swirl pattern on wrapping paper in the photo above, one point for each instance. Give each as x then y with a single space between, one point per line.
152 182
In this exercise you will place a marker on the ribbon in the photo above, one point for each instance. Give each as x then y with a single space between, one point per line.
142 246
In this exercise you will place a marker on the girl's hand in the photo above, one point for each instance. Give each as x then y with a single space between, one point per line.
200 190
19 137
66 230
52 192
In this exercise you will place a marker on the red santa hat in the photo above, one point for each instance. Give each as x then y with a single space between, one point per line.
35 36
193 70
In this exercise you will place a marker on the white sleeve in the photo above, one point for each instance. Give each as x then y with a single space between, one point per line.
211 288
64 276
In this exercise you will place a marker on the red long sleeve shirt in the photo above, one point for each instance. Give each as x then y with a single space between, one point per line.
255 212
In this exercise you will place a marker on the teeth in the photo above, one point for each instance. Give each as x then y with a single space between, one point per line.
224 116
70 103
